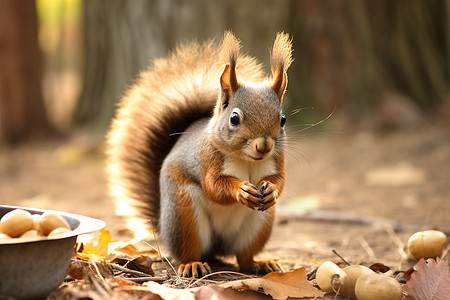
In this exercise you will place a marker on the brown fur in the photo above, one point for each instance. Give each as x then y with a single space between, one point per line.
219 188
188 241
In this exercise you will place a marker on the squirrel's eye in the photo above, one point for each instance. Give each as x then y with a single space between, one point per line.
234 119
283 120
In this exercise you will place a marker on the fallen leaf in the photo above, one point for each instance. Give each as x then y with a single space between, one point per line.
168 293
96 249
142 263
430 281
280 285
131 247
77 269
123 247
210 292
407 275
80 269
206 292
379 268
119 258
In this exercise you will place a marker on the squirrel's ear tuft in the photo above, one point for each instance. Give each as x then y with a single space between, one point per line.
228 79
230 52
228 85
280 61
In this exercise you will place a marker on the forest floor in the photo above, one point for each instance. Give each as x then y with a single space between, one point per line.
359 191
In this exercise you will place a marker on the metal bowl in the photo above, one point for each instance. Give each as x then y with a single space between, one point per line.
33 269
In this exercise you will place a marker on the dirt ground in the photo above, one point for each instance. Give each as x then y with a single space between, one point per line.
361 192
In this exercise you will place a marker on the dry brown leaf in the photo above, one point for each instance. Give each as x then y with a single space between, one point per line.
142 263
78 269
168 293
81 269
430 281
210 292
118 258
207 292
379 268
280 285
129 249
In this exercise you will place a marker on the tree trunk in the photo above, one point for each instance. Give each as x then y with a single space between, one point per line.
120 40
22 111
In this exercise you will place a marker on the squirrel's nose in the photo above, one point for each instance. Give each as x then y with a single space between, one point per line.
263 145
262 149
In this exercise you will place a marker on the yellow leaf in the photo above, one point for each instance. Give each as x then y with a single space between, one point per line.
98 248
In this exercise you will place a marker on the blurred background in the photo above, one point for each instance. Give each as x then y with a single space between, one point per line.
65 63
380 68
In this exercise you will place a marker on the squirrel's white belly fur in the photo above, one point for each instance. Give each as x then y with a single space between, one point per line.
251 171
237 223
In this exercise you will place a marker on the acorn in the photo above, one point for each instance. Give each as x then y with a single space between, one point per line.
377 286
352 274
427 244
16 222
50 221
328 275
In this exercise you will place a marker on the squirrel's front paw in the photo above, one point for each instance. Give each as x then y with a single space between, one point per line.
248 195
268 195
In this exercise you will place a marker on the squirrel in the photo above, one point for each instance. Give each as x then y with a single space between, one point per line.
196 147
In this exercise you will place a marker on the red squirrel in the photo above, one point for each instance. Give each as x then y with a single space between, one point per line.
196 147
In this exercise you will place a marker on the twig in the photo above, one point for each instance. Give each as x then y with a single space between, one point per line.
217 273
126 270
160 253
311 274
341 257
100 284
115 267
148 278
162 257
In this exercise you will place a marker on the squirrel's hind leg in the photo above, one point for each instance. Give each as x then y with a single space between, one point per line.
178 222
185 241
245 257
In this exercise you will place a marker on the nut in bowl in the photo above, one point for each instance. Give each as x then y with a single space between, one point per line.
33 266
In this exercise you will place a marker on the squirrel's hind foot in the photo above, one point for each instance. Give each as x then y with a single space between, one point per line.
263 267
194 269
